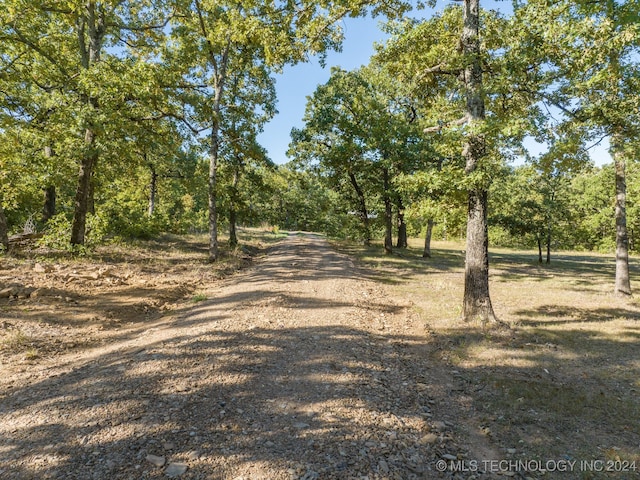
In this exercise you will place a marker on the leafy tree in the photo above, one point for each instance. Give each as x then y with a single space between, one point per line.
591 72
211 41
65 78
470 76
359 131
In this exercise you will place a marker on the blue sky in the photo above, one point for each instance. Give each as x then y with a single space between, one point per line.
300 81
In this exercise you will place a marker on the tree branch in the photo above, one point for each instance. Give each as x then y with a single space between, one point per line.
438 128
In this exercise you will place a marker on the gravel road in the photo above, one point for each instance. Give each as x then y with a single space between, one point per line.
298 368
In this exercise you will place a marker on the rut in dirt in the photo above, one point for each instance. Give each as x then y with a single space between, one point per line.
298 368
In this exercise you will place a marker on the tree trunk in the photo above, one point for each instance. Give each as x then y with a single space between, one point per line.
402 227
388 213
364 213
549 232
219 62
49 209
83 190
427 240
153 190
91 28
233 236
476 301
623 282
213 192
539 238
4 230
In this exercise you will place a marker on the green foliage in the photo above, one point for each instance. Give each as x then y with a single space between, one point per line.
58 229
564 73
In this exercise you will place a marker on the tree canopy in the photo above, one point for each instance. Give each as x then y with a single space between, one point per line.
134 118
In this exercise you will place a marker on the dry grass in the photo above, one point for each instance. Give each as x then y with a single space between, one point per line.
564 381
81 300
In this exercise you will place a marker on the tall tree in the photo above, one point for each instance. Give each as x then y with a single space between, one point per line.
358 127
216 39
73 83
592 75
466 62
476 301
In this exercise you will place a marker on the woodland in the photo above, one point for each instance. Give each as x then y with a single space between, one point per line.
126 120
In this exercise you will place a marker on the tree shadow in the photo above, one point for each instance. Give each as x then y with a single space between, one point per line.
555 389
549 315
328 402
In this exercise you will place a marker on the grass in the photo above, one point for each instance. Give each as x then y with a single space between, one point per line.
564 381
199 297
15 340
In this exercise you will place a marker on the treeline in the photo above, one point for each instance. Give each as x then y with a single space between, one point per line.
527 209
132 118
98 98
428 132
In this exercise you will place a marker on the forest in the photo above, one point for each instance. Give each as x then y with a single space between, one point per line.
123 120
176 303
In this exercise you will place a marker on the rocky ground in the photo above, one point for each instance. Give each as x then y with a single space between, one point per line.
296 368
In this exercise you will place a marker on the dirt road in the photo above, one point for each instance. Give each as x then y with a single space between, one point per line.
300 367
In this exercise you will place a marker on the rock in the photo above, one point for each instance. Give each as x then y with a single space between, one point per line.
175 469
156 460
38 292
429 438
439 426
511 450
448 456
8 292
193 455
310 475
383 467
23 293
168 445
301 425
42 268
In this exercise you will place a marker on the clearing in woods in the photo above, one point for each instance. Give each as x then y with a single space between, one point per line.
308 366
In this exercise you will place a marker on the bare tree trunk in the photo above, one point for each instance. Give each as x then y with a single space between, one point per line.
364 213
427 240
549 231
83 190
623 282
49 209
233 214
539 249
402 227
388 213
476 301
153 190
213 192
4 230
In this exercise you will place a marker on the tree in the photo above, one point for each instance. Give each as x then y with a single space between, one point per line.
4 230
333 140
592 76
359 129
476 89
66 81
253 99
212 40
